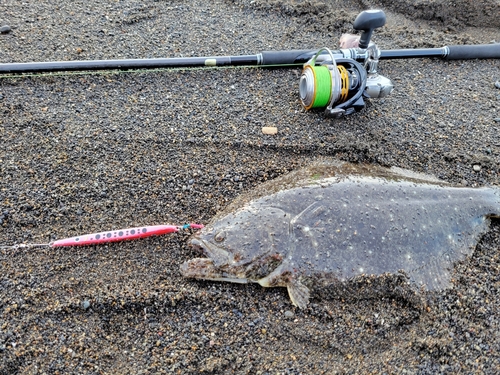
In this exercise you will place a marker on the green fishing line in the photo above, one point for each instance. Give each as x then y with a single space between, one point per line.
323 83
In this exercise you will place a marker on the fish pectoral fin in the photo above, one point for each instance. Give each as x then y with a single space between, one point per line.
299 293
312 211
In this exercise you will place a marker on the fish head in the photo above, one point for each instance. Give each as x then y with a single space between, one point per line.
243 246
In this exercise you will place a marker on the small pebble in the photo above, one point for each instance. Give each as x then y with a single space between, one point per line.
289 314
5 29
86 304
271 130
497 84
476 167
497 119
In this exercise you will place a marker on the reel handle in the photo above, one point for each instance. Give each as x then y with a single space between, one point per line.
366 22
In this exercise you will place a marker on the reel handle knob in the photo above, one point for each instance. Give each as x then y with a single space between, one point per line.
366 22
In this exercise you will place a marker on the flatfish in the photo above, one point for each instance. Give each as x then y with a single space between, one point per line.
337 221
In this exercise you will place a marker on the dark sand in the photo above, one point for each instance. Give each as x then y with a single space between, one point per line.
84 153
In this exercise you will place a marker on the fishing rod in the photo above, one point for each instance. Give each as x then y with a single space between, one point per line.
337 80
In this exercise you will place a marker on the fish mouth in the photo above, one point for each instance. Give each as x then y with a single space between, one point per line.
219 256
214 267
204 269
198 268
198 245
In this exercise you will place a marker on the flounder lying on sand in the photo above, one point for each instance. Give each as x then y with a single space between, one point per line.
337 221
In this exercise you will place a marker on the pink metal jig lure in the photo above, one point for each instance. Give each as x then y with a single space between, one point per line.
121 235
113 236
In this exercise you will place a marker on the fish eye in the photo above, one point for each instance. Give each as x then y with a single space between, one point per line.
220 236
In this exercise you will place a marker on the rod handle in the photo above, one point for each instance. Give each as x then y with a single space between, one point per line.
480 51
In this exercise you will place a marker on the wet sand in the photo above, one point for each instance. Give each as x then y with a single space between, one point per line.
89 152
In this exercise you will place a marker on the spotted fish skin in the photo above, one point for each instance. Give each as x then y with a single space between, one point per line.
337 222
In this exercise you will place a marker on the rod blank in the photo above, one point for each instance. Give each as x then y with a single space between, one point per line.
267 58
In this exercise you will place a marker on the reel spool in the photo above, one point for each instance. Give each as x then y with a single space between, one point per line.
337 85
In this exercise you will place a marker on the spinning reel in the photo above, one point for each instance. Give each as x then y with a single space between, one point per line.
339 83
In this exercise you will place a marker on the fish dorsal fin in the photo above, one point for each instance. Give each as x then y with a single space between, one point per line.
325 171
411 175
